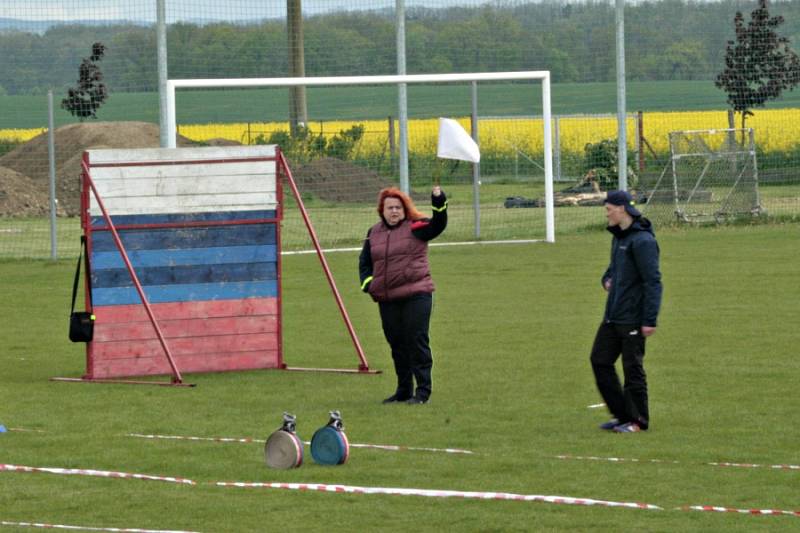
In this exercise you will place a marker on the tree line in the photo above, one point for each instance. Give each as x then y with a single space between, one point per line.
665 40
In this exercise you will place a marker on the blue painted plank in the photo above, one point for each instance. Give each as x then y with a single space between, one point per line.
186 274
173 238
199 256
185 217
193 292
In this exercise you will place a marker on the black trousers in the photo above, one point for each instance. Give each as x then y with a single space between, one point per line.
406 324
628 403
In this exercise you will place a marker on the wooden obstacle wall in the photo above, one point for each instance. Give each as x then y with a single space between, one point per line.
201 228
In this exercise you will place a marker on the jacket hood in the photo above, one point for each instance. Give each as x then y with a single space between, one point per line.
639 224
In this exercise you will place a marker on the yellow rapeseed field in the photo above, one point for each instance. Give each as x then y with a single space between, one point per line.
20 135
775 131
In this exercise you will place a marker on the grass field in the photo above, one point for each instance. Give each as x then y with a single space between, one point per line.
362 103
511 332
343 225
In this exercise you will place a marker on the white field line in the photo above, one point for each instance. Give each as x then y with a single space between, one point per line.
433 244
89 528
434 493
389 447
91 473
634 460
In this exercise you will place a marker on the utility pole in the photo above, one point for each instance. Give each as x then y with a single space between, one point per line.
402 93
622 113
297 64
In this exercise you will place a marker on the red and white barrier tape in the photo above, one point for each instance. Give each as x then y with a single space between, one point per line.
634 460
390 447
752 465
432 493
89 528
211 439
612 459
394 448
715 509
93 473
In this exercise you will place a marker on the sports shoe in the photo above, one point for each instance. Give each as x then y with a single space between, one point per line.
394 398
416 400
610 425
630 427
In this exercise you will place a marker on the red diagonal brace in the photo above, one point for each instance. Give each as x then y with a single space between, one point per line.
176 375
363 366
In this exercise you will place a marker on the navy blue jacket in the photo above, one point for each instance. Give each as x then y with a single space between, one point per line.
635 294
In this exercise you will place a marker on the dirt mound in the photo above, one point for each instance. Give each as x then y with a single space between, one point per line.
21 196
334 180
219 141
31 159
328 179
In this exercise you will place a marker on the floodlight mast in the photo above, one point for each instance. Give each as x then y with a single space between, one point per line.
543 75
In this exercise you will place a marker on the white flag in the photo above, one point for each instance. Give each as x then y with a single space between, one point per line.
455 143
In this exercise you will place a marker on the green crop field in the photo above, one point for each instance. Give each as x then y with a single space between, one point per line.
511 332
362 103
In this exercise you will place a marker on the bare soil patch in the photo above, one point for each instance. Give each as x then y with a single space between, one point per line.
31 158
334 180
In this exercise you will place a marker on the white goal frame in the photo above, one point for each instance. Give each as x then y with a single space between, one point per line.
542 75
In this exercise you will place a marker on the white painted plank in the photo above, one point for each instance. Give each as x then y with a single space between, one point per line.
156 170
106 156
183 186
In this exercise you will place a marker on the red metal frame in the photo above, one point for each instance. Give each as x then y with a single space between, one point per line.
282 171
279 215
176 374
199 223
125 382
363 367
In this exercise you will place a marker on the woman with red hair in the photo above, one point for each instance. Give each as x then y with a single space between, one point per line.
394 270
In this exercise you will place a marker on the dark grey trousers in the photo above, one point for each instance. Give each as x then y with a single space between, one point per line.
627 403
405 325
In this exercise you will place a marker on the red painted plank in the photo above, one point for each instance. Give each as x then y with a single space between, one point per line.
105 332
185 346
148 366
182 310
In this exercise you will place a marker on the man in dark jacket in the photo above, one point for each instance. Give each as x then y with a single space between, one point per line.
633 282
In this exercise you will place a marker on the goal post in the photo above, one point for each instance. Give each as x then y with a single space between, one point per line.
542 76
714 174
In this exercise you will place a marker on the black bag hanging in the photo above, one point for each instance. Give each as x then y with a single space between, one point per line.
81 323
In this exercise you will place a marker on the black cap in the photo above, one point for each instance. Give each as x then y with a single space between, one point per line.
623 198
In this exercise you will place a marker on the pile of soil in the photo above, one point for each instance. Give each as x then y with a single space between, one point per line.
31 159
24 172
219 141
334 180
21 196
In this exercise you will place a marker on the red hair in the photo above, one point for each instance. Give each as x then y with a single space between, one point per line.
408 205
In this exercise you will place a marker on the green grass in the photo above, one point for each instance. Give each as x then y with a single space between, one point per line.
511 332
344 225
362 103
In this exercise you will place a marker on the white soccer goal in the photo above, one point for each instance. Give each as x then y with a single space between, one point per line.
498 223
714 174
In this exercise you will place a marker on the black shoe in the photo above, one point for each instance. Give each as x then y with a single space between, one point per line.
394 398
416 400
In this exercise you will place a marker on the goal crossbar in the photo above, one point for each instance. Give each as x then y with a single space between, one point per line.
542 75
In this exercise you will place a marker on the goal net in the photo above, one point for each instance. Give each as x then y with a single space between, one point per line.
714 175
352 142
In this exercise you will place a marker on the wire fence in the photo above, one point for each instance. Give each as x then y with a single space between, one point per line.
348 148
